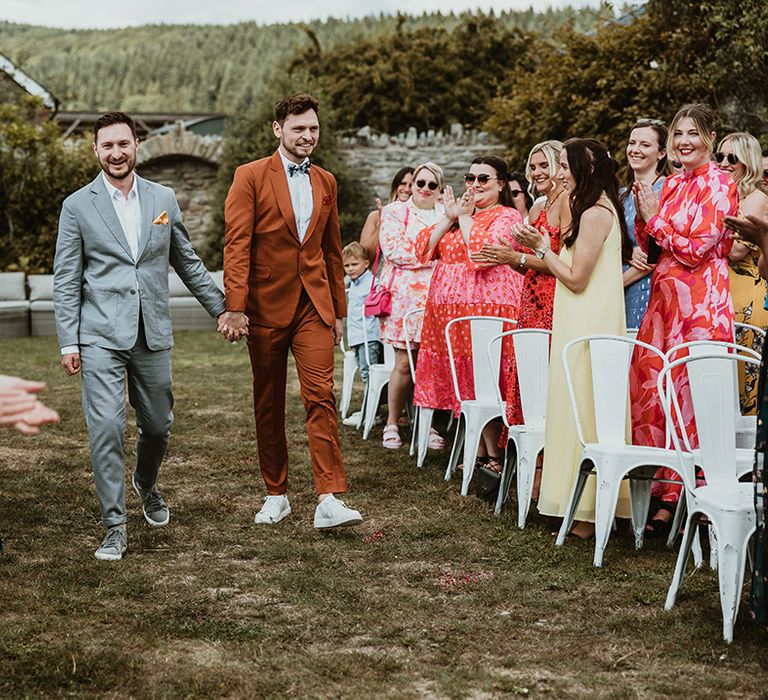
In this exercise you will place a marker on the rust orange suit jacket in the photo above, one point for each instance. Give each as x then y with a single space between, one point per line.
265 265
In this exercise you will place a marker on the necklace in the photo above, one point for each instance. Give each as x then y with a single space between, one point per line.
547 205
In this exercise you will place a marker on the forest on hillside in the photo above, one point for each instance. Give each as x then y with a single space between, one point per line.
215 67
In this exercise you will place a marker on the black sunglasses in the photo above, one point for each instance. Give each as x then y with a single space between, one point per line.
765 173
515 193
731 157
421 184
482 178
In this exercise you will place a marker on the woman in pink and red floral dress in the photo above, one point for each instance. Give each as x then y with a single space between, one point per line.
690 294
461 287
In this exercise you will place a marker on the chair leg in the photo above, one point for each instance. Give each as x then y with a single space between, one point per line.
458 445
471 445
606 498
677 520
682 560
526 471
414 430
731 543
364 405
507 472
372 405
348 373
424 417
640 497
712 547
578 488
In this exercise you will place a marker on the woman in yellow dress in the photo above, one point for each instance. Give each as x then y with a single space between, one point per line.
739 156
589 298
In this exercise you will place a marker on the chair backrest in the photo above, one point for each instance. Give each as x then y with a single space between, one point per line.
482 330
609 358
632 332
412 313
711 377
741 329
532 366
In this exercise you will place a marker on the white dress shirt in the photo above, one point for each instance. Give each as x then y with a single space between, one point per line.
128 212
301 196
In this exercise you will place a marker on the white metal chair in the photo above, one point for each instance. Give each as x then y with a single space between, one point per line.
525 442
632 333
725 501
422 416
610 458
475 414
349 371
378 378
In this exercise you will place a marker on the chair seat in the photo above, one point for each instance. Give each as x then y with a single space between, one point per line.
480 404
640 454
525 429
731 498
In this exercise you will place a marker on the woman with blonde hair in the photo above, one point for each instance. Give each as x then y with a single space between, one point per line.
738 155
407 278
690 295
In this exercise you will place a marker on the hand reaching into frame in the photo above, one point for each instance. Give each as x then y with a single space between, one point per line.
750 229
20 408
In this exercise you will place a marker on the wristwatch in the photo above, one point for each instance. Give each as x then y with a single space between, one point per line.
521 264
540 253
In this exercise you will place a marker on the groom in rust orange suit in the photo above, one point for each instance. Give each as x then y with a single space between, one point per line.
284 283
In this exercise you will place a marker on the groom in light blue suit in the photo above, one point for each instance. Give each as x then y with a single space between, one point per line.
117 237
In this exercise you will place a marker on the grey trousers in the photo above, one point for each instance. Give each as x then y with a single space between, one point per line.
149 392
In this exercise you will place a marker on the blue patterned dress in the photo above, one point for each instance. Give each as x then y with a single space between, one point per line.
636 295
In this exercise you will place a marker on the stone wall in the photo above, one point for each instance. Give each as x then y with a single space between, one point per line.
193 180
376 157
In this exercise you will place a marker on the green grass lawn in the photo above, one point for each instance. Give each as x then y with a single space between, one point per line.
431 597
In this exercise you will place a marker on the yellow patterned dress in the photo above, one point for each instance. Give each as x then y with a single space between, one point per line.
749 291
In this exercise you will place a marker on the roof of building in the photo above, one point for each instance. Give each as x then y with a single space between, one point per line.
27 83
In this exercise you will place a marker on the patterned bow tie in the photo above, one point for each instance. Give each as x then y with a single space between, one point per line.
294 169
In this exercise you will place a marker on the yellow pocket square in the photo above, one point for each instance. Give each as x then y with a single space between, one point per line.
161 218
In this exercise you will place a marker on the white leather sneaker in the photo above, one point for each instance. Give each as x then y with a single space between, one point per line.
331 512
275 508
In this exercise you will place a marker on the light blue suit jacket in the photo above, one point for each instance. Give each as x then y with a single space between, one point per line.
99 290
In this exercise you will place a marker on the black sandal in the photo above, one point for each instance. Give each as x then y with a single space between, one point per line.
657 528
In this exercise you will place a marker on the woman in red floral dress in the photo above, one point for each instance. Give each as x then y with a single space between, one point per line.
538 293
690 294
462 287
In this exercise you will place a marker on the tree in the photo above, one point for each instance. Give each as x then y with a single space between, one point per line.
38 170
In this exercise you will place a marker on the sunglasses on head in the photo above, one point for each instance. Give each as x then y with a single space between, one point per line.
731 158
482 178
421 184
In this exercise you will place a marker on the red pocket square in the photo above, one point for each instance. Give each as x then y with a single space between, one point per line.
327 200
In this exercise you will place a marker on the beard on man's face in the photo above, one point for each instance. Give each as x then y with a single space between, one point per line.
118 171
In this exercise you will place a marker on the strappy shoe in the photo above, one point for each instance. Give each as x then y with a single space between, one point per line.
435 441
391 438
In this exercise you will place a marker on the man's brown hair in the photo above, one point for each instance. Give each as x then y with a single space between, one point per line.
111 118
295 104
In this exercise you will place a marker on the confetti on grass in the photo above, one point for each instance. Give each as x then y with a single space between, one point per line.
374 537
451 579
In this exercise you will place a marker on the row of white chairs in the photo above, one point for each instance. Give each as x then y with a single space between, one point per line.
610 458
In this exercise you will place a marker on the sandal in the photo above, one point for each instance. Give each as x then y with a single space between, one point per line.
658 528
494 464
435 441
391 438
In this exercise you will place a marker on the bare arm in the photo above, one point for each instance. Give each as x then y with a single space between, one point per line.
369 236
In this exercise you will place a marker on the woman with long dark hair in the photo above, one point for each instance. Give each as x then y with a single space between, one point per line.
400 191
463 287
690 294
588 299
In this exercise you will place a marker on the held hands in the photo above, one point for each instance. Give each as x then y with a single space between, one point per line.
646 201
20 408
233 325
530 237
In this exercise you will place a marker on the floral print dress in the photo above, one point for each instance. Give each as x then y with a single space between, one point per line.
462 288
406 276
690 296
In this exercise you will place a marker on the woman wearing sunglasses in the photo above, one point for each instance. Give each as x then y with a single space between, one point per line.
408 280
646 162
738 156
463 287
521 199
690 295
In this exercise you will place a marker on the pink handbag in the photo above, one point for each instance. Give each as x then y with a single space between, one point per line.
378 301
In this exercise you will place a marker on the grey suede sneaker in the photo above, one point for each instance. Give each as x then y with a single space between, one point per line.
153 506
114 544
